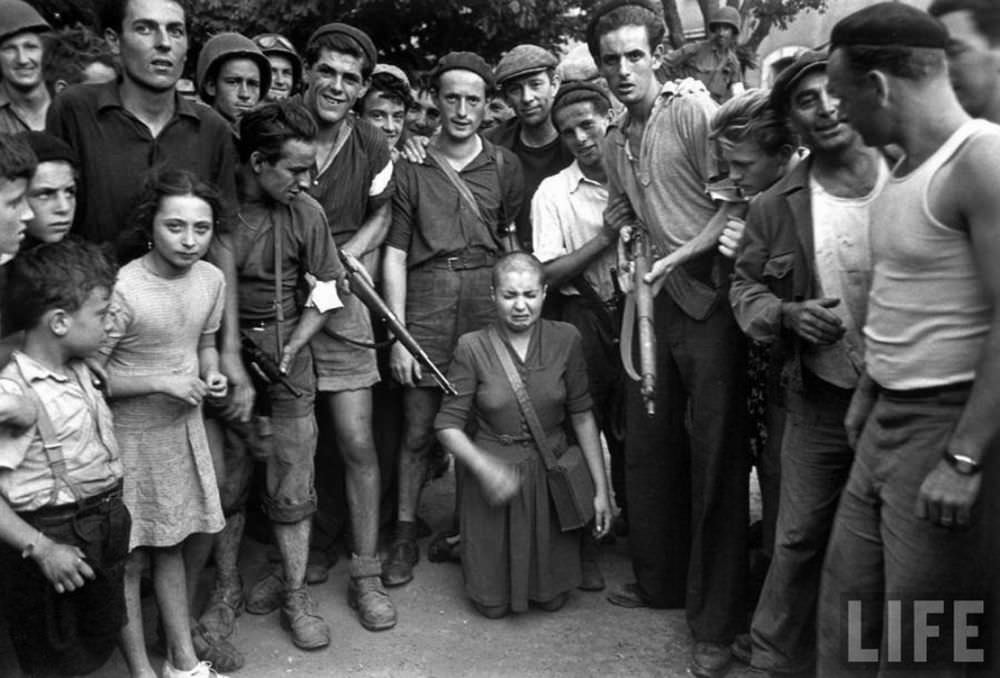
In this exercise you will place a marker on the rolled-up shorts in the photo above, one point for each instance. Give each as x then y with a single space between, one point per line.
442 304
341 365
289 490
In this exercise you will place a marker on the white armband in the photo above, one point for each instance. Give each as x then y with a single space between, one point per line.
324 296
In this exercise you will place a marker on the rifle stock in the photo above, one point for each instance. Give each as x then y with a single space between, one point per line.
363 290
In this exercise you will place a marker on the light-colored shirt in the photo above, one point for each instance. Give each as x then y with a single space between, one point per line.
567 212
665 181
929 312
841 233
82 424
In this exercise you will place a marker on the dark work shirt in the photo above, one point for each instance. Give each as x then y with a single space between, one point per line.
357 182
429 217
537 163
116 152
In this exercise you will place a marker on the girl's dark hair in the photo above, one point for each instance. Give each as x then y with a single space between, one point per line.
134 242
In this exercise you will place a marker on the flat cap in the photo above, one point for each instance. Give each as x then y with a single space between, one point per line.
886 24
804 63
575 92
20 17
356 35
464 61
607 6
49 148
394 71
522 60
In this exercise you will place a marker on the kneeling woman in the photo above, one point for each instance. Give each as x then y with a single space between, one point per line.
513 551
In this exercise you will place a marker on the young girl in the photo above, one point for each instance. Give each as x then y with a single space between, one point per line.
162 362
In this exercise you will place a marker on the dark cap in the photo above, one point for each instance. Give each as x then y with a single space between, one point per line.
804 63
49 148
575 92
465 61
727 16
889 24
522 60
356 35
608 6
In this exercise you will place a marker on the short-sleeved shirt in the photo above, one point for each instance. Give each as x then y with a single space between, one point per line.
554 373
357 182
430 219
306 247
665 182
537 163
117 152
717 69
567 212
82 424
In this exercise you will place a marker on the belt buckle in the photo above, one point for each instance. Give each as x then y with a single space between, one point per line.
505 440
453 262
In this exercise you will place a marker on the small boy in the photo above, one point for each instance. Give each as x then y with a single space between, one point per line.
63 528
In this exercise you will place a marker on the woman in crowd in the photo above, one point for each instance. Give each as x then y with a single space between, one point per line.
514 552
162 363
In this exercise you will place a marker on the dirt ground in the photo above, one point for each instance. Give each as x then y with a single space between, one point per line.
440 635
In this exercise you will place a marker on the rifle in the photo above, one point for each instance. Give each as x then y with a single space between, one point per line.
363 290
262 364
639 311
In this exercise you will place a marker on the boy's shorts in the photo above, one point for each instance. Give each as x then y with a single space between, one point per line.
70 633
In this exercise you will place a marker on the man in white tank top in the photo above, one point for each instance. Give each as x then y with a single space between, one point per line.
924 416
801 285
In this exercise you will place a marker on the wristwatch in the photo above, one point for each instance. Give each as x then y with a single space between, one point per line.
964 465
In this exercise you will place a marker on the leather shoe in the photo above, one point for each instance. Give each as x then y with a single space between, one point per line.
628 595
398 567
709 660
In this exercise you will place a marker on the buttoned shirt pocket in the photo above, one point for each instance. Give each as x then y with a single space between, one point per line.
777 274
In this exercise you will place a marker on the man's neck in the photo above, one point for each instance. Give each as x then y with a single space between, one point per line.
640 111
46 351
458 153
851 172
594 172
538 135
247 188
929 127
327 133
154 108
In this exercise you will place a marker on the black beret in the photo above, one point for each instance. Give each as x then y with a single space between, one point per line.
575 92
465 61
355 34
49 148
888 24
789 76
607 6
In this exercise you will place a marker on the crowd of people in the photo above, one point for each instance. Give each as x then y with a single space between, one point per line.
192 351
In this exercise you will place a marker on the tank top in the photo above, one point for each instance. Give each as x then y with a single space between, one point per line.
928 312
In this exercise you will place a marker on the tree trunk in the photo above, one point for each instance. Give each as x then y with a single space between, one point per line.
675 28
707 7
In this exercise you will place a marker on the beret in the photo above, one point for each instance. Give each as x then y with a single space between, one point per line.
394 71
20 17
783 85
49 148
889 24
522 60
575 92
465 61
607 6
351 33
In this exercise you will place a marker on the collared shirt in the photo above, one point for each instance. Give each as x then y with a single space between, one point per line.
429 217
82 425
537 163
357 181
568 212
117 150
10 121
306 248
717 69
665 182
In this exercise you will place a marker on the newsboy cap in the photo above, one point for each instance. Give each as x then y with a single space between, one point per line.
805 63
522 60
889 24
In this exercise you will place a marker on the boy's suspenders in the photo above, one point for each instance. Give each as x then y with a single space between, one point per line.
50 443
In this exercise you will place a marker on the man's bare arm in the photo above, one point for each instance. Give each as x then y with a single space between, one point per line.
372 233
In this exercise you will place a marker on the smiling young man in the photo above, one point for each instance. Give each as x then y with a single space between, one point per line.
447 231
527 78
921 492
233 75
386 102
688 509
801 285
24 99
